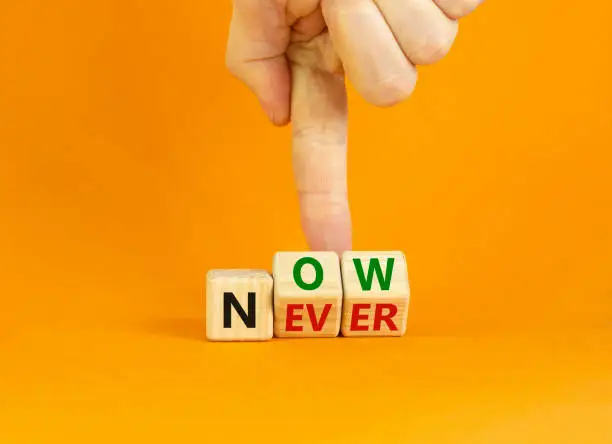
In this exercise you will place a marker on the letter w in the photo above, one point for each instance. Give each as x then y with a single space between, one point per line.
374 267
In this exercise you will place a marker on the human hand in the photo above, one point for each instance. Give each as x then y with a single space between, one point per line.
294 56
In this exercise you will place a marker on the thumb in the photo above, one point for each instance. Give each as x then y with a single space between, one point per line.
319 123
255 54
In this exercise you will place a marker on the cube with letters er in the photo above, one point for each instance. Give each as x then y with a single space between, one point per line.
307 294
376 293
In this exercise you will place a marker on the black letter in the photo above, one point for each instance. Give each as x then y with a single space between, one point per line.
230 300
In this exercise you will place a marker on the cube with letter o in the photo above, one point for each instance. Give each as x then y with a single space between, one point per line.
307 294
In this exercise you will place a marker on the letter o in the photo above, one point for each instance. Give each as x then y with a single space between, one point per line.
297 273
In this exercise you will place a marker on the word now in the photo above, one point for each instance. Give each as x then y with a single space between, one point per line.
314 294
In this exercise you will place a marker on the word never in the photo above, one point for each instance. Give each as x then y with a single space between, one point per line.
382 313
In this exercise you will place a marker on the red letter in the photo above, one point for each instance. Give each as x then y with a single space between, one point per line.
313 316
291 316
379 316
356 317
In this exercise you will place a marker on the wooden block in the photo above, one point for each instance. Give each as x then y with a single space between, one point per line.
239 305
376 293
307 294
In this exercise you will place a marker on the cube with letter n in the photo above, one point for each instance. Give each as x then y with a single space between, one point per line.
239 305
376 293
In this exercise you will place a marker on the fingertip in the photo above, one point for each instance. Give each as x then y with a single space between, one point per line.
280 122
272 86
270 81
326 222
278 114
338 244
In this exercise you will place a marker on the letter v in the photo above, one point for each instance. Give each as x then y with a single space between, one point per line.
318 325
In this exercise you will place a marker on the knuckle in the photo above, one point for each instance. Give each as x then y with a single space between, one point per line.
322 204
234 59
319 135
434 47
232 64
391 90
458 8
467 6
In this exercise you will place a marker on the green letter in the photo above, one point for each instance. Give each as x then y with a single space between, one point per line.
297 273
366 283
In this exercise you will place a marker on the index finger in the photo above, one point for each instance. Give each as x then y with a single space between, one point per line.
319 115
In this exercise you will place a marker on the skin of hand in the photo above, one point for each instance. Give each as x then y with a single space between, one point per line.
295 55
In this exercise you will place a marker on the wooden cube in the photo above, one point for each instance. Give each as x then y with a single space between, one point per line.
239 305
376 293
307 294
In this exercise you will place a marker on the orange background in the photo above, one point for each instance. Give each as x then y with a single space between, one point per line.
131 163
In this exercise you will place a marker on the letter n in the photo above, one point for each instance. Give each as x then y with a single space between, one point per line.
229 301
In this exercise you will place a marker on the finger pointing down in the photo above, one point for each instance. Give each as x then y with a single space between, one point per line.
319 114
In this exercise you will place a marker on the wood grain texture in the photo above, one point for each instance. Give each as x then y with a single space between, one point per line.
394 297
325 300
240 283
